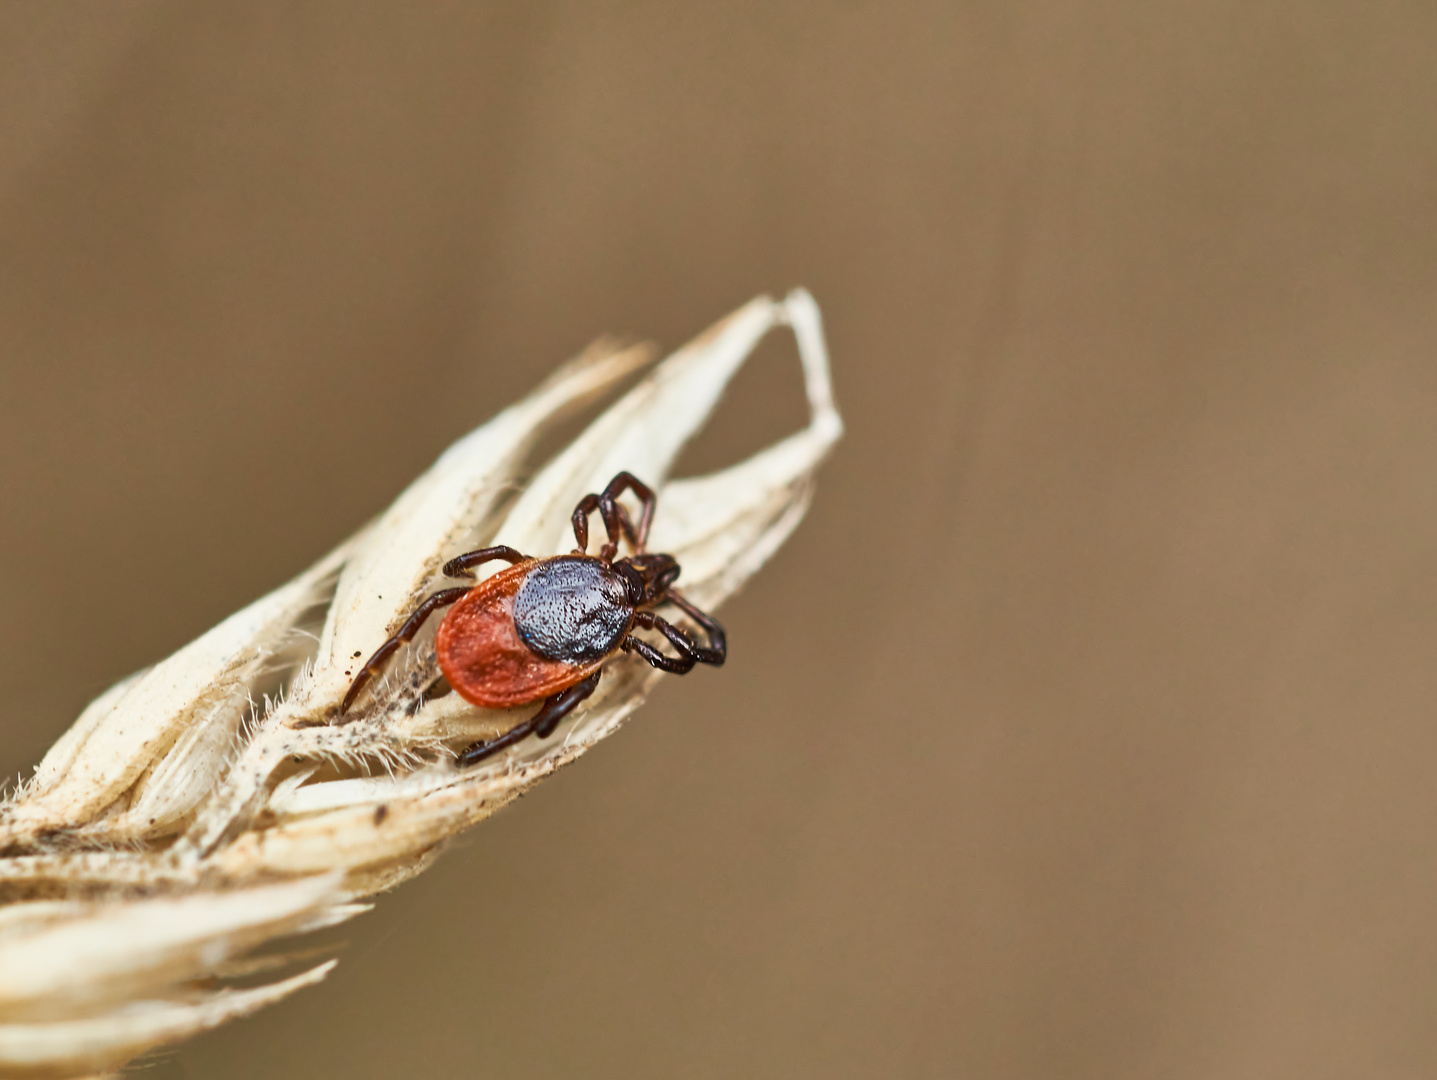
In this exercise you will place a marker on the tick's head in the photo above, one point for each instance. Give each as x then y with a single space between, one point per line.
648 577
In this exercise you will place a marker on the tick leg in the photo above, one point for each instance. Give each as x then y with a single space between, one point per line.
437 689
689 653
679 665
616 519
434 691
616 524
718 641
372 666
461 565
560 705
587 505
542 723
610 508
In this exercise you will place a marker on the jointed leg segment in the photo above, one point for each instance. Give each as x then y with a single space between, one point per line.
542 723
462 565
372 666
617 522
689 652
459 566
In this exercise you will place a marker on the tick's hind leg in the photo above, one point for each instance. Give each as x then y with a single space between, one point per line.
433 692
461 565
542 723
375 664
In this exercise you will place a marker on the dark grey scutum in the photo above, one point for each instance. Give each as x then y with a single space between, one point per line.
572 608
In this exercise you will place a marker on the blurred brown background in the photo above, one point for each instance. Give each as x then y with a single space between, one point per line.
1085 729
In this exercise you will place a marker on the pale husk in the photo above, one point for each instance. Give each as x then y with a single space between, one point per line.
177 825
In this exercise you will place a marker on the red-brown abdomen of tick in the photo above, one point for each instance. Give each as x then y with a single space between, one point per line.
483 657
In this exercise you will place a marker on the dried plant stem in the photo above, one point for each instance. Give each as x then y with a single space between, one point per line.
178 825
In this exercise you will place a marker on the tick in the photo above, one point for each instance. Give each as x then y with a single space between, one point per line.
543 629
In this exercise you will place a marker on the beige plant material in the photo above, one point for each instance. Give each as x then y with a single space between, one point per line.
217 802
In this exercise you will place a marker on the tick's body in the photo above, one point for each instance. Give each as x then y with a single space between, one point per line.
533 630
544 628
